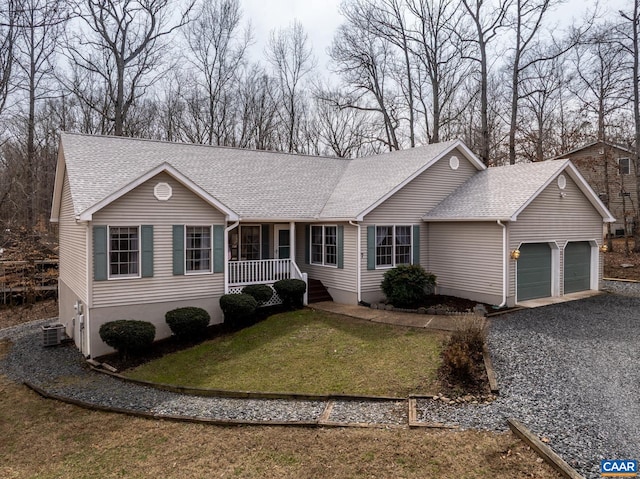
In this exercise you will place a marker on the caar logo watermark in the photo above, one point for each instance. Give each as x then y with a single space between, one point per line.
619 468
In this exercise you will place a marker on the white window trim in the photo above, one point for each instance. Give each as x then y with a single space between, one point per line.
324 251
393 247
196 273
628 166
117 277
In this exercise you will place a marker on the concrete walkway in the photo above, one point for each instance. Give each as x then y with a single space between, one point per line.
427 321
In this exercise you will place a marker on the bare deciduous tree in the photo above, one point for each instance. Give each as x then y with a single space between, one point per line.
291 57
486 25
8 31
39 24
122 44
603 87
218 48
438 52
364 61
631 45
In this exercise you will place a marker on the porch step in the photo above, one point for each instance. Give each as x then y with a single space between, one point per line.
317 292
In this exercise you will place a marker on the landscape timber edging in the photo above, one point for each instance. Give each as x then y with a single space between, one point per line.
544 451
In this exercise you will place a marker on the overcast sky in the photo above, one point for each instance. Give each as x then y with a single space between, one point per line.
321 17
318 17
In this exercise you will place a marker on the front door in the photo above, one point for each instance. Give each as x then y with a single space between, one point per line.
282 242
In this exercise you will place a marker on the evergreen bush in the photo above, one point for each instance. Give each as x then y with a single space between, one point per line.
128 336
291 291
187 323
405 286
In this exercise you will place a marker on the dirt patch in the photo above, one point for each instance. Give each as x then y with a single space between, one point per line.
14 315
619 264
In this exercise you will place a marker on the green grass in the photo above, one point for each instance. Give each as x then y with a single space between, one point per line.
308 352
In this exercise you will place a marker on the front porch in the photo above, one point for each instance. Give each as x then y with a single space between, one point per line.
261 254
266 271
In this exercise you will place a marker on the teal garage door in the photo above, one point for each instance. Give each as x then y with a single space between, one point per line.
534 271
577 267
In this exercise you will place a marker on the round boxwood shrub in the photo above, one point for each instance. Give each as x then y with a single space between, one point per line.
405 285
238 309
128 336
291 291
260 292
187 323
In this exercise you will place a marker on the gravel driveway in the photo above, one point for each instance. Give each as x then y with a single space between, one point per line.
571 373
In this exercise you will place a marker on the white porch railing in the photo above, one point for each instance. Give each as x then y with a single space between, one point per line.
266 271
258 271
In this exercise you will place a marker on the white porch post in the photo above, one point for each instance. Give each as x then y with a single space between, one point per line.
292 240
227 230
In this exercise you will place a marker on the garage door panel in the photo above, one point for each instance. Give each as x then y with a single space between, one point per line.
577 267
534 271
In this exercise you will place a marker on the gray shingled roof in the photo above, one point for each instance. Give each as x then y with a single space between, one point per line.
496 193
254 184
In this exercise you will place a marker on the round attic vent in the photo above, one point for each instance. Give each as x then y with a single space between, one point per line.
162 191
562 182
454 162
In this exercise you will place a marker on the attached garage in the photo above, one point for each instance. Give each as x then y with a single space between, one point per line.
551 224
534 271
577 266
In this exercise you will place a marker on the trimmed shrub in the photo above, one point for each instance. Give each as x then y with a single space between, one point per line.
238 308
187 323
260 292
128 336
405 286
291 291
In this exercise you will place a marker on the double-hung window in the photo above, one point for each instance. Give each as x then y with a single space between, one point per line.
624 166
324 245
198 249
393 245
124 251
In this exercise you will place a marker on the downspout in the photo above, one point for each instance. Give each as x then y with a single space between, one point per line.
84 328
505 265
358 260
226 255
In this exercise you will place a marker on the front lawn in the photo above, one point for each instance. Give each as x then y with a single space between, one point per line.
311 352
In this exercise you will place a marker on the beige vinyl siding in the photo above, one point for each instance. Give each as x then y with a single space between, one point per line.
467 259
343 279
140 207
73 247
410 204
552 218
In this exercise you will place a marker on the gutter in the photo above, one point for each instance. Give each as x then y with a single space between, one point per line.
505 265
226 255
358 261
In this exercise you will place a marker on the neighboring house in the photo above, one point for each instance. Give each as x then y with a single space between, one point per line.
149 226
610 170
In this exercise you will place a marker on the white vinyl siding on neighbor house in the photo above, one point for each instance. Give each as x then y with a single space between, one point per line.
410 204
565 218
467 259
73 247
140 206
